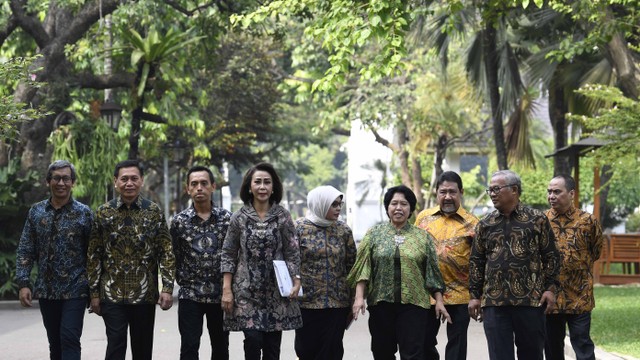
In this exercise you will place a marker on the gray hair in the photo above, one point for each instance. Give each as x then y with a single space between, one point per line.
511 178
61 164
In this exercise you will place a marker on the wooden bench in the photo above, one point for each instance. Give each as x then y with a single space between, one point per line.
623 249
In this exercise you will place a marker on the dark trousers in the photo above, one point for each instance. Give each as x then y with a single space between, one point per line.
63 320
525 324
397 326
579 329
139 320
257 343
320 337
456 348
190 320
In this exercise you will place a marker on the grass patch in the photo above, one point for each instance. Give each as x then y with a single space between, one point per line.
614 322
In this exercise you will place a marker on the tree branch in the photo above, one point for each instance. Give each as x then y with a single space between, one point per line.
153 118
30 24
11 25
101 82
383 141
86 17
186 11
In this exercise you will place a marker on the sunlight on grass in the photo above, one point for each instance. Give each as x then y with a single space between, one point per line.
614 324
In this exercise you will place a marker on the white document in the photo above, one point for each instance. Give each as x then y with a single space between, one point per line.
285 283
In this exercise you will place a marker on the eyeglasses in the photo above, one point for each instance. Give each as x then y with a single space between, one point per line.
496 189
65 179
336 204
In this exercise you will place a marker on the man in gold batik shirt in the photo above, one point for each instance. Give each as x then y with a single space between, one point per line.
452 227
579 240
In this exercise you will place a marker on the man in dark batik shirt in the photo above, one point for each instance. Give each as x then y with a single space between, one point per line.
129 245
198 233
55 236
513 272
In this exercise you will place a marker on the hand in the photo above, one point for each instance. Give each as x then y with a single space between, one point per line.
441 313
295 289
95 306
475 310
227 301
549 298
165 301
358 306
25 297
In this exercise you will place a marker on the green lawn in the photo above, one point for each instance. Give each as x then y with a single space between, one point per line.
615 323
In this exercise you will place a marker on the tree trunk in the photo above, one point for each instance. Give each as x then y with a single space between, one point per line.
489 49
557 110
418 182
403 154
627 70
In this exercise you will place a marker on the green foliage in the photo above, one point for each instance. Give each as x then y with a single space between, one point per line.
614 325
617 123
12 114
344 27
12 214
474 186
93 148
633 223
534 186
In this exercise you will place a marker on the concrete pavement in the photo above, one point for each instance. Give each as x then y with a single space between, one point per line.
22 337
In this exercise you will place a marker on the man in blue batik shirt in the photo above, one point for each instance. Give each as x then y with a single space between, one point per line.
198 233
55 236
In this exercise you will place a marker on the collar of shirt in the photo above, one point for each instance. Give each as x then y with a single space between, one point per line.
137 203
66 206
568 214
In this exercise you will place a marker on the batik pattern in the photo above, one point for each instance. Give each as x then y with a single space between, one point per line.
452 236
579 239
327 254
128 245
513 259
418 265
248 252
57 240
197 245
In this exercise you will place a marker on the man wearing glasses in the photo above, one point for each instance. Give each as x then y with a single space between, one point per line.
55 236
453 229
513 272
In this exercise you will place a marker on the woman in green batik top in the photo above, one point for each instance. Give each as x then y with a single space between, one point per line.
397 268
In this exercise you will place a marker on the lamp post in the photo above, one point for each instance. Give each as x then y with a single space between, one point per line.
176 149
111 113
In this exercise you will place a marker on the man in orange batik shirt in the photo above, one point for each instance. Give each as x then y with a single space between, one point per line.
579 239
453 229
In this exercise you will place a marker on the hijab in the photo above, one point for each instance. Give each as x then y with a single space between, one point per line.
319 201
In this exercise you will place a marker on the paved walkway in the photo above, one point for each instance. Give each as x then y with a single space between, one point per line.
22 337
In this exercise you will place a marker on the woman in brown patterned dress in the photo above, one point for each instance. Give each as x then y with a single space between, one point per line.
260 232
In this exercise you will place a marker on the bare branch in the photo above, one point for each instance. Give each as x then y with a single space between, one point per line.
341 131
30 24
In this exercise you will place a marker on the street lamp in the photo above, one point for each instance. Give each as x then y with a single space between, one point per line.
111 113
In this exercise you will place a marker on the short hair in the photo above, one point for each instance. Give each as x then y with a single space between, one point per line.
61 164
408 194
512 178
127 164
245 188
451 176
198 168
569 182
